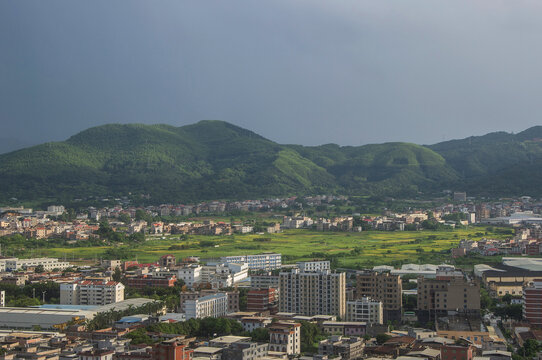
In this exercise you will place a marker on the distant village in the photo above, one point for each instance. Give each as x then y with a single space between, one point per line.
522 215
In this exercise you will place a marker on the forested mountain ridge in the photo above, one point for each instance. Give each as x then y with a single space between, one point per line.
218 160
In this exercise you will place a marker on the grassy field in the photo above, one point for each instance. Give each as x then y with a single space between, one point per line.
354 250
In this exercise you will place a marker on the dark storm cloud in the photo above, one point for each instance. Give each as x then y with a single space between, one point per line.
295 71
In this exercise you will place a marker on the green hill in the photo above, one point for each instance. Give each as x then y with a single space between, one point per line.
218 160
497 164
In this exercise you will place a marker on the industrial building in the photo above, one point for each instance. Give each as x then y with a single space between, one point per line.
47 316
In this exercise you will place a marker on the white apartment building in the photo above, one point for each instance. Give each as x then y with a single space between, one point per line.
238 272
88 292
224 275
243 229
215 305
3 263
296 222
56 210
311 266
285 337
312 293
365 310
48 264
266 261
190 274
251 323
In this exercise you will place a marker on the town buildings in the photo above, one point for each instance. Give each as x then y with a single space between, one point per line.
215 305
49 264
96 354
456 352
148 280
233 298
245 350
315 265
171 350
344 348
365 309
285 337
264 300
88 292
190 274
267 261
264 281
532 302
312 293
383 287
167 261
448 294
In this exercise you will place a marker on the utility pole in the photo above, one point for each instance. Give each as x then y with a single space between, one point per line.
43 293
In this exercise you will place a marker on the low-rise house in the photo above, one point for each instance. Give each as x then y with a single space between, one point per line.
345 348
285 337
345 328
252 323
456 352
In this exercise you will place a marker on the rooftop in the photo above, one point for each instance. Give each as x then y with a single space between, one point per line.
230 339
207 350
526 263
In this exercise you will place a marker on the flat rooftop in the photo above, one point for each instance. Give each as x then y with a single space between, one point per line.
230 339
67 307
123 305
207 350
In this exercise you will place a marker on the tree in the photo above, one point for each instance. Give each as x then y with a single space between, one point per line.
485 300
260 335
24 301
410 302
243 293
529 348
310 335
514 311
117 274
507 298
125 218
143 215
382 338
39 269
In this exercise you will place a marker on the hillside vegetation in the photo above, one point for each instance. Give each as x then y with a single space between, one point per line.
218 160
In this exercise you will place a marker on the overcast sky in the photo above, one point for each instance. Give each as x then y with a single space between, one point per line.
295 71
